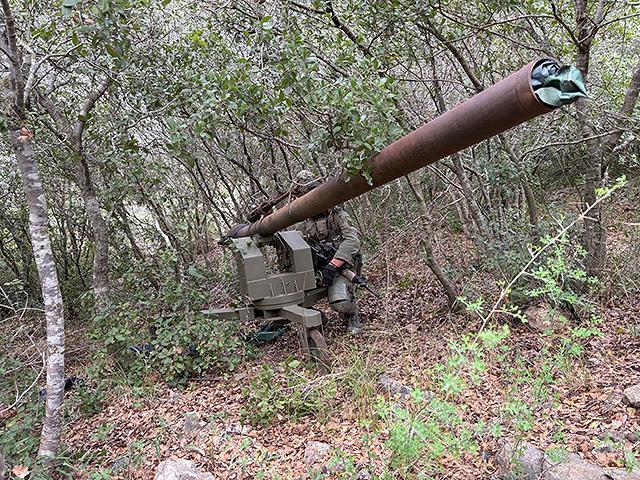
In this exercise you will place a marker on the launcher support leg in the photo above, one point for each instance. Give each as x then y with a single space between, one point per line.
313 344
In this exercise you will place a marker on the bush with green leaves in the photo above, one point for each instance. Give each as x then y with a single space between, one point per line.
167 334
176 346
192 344
22 374
430 427
292 394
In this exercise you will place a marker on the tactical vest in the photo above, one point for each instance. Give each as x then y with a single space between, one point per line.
323 229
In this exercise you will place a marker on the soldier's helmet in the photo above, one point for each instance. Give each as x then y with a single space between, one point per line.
304 176
306 181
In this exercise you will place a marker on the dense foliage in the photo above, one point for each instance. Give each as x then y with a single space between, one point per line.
158 124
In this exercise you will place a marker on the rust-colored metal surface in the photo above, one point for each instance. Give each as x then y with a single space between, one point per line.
501 107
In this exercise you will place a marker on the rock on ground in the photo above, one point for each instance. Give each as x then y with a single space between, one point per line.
363 474
523 458
530 463
192 425
393 387
631 396
316 451
543 317
180 469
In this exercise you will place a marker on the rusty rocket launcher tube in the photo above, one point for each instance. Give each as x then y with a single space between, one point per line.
504 105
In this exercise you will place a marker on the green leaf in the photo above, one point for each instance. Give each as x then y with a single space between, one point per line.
111 51
267 23
70 3
103 6
294 364
194 273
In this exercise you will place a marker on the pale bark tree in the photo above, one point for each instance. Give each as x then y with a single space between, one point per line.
21 141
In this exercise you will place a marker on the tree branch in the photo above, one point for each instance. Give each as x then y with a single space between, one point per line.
76 135
14 55
455 52
347 31
564 24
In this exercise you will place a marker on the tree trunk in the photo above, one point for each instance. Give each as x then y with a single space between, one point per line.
39 230
474 209
595 233
98 224
99 227
100 234
427 241
532 207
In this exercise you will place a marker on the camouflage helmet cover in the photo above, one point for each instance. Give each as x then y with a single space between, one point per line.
306 181
304 176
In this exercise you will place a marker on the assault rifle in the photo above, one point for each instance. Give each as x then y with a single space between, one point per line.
323 254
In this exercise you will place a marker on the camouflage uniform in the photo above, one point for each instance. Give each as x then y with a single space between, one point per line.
334 229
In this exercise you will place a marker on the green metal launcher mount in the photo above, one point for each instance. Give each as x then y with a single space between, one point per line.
285 296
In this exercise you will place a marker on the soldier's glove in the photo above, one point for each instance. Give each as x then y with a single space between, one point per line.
328 274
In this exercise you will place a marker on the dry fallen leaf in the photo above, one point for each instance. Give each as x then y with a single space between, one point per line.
20 471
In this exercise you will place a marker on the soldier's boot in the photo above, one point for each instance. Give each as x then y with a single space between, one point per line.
353 323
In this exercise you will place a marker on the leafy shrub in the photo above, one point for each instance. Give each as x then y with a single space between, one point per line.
176 346
167 334
294 396
193 344
19 425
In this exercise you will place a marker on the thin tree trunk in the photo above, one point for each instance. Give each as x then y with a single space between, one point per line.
54 312
98 225
427 241
532 207
40 241
100 231
474 209
101 287
595 233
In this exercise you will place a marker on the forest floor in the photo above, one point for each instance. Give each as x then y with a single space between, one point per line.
259 421
138 429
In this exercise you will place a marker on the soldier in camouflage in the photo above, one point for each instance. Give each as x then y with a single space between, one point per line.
333 227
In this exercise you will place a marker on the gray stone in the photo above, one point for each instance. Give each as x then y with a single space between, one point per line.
543 317
239 376
363 474
632 436
612 435
180 469
334 468
575 468
393 387
603 449
192 425
316 451
118 465
522 458
529 463
631 396
231 430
